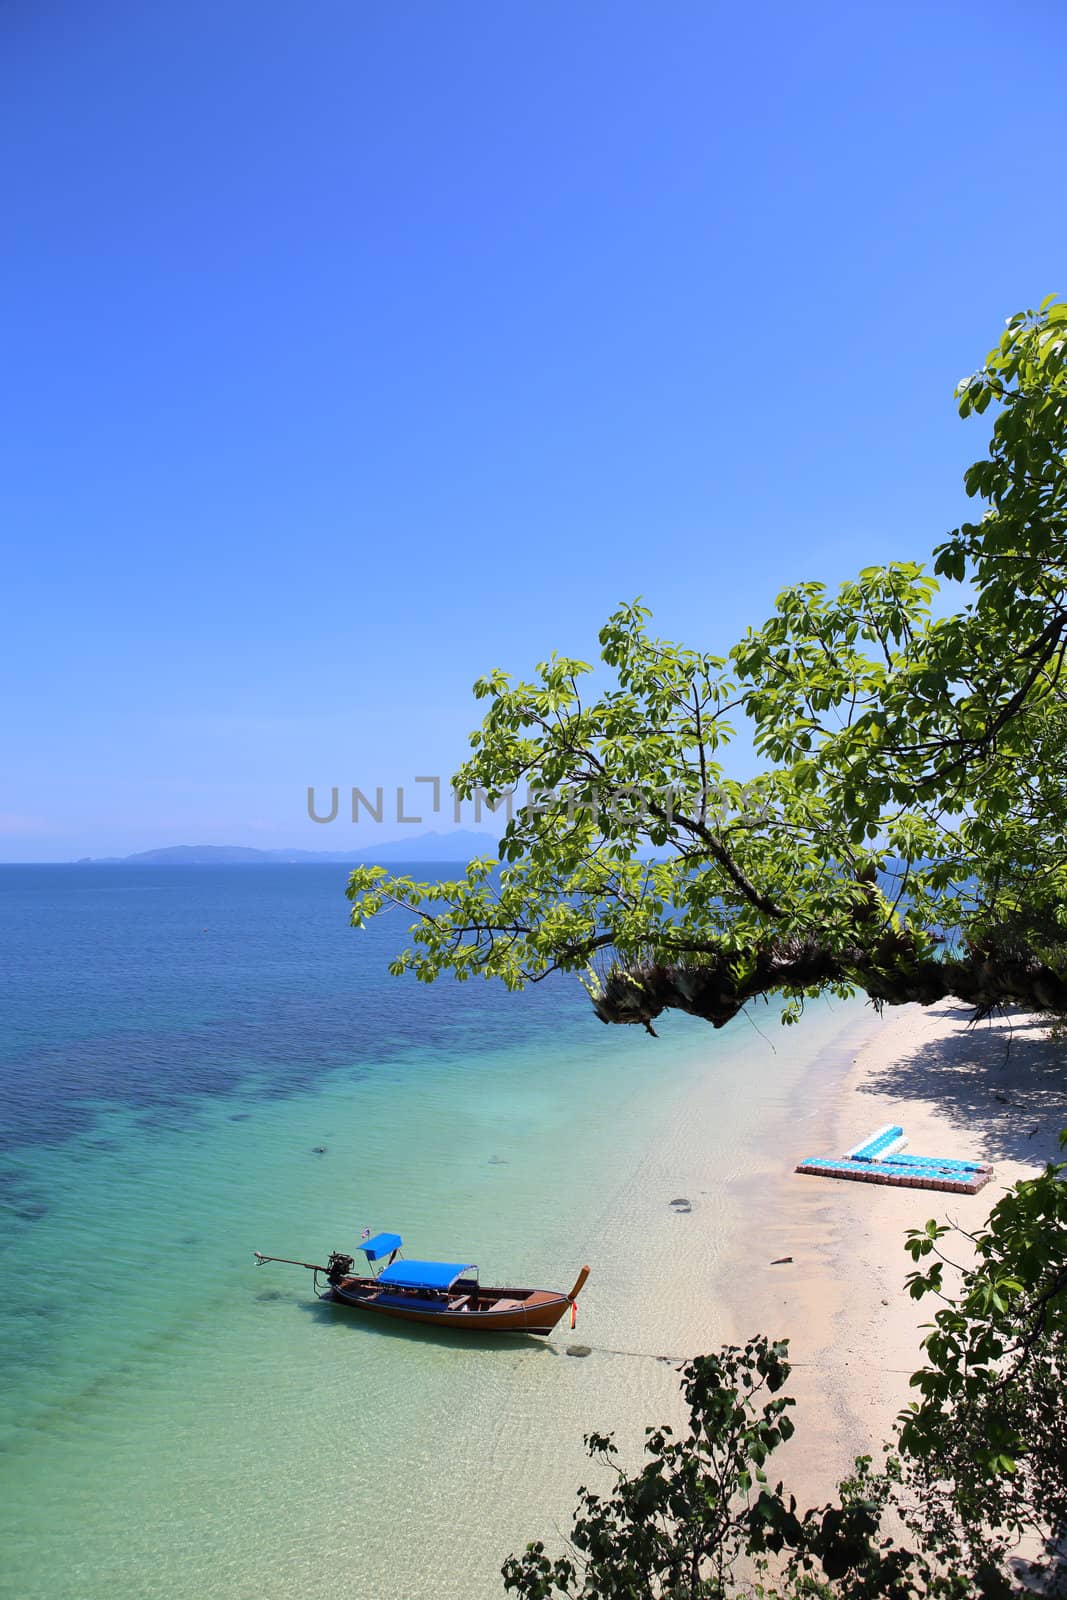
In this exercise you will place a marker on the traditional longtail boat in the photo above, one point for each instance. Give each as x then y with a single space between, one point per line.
444 1293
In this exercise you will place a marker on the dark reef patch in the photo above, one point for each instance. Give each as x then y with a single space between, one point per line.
161 1019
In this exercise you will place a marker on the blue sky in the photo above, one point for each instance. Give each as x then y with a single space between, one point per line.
351 350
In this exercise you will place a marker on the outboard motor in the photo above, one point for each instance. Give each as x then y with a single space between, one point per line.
338 1266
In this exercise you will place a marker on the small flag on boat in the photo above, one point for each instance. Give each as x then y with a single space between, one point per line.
365 1234
574 1314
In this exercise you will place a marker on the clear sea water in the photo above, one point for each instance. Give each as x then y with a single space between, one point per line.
198 1062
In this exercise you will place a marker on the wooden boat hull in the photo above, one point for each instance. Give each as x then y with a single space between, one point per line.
505 1311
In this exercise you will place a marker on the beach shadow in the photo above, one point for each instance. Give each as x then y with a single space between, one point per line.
378 1327
1003 1079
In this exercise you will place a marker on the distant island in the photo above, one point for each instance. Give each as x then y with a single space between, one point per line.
462 845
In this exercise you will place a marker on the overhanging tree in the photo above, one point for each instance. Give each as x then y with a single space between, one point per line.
906 838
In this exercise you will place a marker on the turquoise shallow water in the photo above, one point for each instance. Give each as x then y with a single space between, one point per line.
199 1062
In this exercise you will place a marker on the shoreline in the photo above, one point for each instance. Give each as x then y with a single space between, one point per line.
993 1092
723 1124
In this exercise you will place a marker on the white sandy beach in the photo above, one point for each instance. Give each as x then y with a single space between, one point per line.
673 1284
996 1092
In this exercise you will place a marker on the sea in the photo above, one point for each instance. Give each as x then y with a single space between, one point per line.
201 1062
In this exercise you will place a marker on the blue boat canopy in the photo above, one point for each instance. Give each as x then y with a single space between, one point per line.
383 1244
424 1274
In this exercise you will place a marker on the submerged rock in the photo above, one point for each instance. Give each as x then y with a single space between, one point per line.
42 1309
579 1350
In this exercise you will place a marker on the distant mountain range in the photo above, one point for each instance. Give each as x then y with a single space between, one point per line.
462 845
